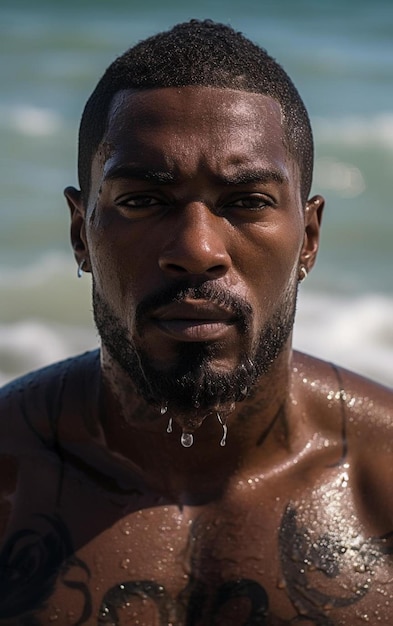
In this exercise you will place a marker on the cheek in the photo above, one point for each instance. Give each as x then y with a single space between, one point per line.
122 263
268 257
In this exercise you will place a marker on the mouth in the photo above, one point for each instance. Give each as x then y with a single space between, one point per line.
195 320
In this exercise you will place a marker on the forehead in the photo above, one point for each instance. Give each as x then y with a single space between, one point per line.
227 103
195 126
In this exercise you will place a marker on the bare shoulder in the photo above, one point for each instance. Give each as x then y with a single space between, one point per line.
30 408
360 411
368 404
34 402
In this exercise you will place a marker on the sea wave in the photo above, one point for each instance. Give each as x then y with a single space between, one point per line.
30 120
47 266
31 344
346 179
356 131
356 333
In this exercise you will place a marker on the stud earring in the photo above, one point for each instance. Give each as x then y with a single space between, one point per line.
302 273
79 272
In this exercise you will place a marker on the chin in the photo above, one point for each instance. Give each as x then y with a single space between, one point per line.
196 383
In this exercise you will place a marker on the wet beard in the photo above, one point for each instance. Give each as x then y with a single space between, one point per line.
192 383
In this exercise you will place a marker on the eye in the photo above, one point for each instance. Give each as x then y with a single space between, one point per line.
139 205
139 202
254 202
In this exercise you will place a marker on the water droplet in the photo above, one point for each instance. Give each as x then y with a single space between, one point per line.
169 427
250 363
244 391
225 430
126 528
164 409
186 440
360 567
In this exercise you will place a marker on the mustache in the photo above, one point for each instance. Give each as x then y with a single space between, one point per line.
239 307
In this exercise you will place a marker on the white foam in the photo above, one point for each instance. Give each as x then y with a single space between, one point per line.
356 333
356 130
31 120
345 179
50 265
31 344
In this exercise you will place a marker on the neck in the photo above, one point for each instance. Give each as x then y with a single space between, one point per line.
258 425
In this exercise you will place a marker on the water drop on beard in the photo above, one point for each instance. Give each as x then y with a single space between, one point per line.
244 391
225 430
186 440
250 363
164 409
169 427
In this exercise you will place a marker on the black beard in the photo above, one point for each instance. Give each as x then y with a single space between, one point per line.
192 382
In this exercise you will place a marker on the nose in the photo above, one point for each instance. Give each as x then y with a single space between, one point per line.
196 244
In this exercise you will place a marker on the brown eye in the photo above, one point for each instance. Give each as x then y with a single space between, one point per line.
139 206
250 203
140 202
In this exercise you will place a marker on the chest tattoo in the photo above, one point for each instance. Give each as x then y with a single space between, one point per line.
33 561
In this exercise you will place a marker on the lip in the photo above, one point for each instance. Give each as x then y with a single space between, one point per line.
194 320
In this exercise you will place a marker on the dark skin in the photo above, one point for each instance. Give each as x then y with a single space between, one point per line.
291 521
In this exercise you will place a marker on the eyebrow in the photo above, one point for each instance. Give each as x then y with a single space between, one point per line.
260 175
241 177
140 173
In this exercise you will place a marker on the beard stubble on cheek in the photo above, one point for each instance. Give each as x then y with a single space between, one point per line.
192 381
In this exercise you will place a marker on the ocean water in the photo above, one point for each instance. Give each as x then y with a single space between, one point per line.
340 56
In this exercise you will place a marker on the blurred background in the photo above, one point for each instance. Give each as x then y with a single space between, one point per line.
340 56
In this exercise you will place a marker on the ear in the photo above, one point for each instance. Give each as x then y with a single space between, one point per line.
312 224
78 227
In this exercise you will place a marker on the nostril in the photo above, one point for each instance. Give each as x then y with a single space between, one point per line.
173 267
215 271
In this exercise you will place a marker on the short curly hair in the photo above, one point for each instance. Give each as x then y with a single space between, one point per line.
202 53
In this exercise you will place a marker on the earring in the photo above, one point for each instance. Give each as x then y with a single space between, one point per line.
303 273
79 271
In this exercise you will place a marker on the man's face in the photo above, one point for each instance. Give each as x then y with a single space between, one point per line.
194 230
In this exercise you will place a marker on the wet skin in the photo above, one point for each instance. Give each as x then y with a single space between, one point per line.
116 522
194 184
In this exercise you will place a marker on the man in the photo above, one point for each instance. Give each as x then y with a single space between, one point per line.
196 471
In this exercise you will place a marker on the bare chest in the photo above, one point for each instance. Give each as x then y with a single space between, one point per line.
258 557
